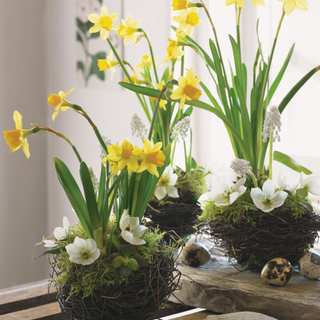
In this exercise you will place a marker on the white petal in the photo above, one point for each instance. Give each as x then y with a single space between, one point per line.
302 179
72 250
49 243
134 222
173 179
172 192
95 254
314 185
256 194
59 233
139 231
218 187
239 183
242 190
66 224
126 235
80 243
268 188
233 197
279 199
160 192
86 262
124 221
137 241
78 260
91 245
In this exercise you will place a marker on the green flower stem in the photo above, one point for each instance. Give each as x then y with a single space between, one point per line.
182 63
270 157
135 194
129 65
265 81
254 180
185 156
173 151
39 127
238 30
128 77
151 53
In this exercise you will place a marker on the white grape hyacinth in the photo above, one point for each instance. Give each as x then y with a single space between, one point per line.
59 233
224 193
166 184
272 124
137 127
181 129
267 199
135 231
83 251
311 184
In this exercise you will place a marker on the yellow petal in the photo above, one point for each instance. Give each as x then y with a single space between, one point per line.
95 28
104 34
13 139
190 75
17 117
147 146
94 17
55 115
302 4
104 11
113 16
177 94
25 148
289 6
230 2
183 101
182 81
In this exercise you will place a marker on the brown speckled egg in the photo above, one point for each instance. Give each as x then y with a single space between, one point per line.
277 272
309 265
194 255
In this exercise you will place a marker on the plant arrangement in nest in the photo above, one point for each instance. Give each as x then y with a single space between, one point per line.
173 205
244 112
109 265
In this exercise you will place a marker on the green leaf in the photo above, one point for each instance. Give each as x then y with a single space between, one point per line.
302 193
127 250
79 38
296 88
102 183
133 264
237 59
188 112
289 162
165 75
56 250
90 196
117 262
139 259
94 69
80 66
125 271
74 195
94 35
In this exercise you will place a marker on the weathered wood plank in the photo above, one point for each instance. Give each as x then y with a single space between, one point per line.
221 288
46 312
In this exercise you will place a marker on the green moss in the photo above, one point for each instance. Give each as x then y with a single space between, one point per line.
243 208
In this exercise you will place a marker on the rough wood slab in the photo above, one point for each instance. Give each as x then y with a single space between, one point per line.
221 288
26 298
46 312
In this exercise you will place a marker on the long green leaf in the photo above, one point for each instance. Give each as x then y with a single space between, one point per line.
296 88
74 195
289 162
90 196
102 189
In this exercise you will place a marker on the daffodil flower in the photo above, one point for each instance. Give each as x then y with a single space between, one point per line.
135 231
187 88
287 184
267 199
311 184
166 184
225 193
18 138
152 157
124 156
179 4
59 102
108 63
240 3
83 251
260 2
163 102
290 5
129 30
188 19
173 51
103 22
147 60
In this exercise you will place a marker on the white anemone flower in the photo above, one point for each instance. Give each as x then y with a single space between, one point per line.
59 232
267 199
204 198
311 184
83 251
166 184
224 193
135 231
50 243
287 184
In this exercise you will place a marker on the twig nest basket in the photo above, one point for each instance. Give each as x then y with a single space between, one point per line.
138 298
261 236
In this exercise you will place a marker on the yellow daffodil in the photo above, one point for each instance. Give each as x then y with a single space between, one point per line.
173 51
129 30
103 22
187 88
188 19
238 2
152 157
179 4
147 60
18 138
135 80
60 102
260 2
124 156
105 64
290 5
163 102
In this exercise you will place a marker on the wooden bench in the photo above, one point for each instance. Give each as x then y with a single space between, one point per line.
38 302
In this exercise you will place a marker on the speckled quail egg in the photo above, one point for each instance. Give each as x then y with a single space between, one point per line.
309 265
277 272
194 254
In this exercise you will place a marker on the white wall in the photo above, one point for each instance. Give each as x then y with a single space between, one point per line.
23 183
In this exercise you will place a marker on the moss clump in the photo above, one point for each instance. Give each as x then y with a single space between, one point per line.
84 280
244 208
